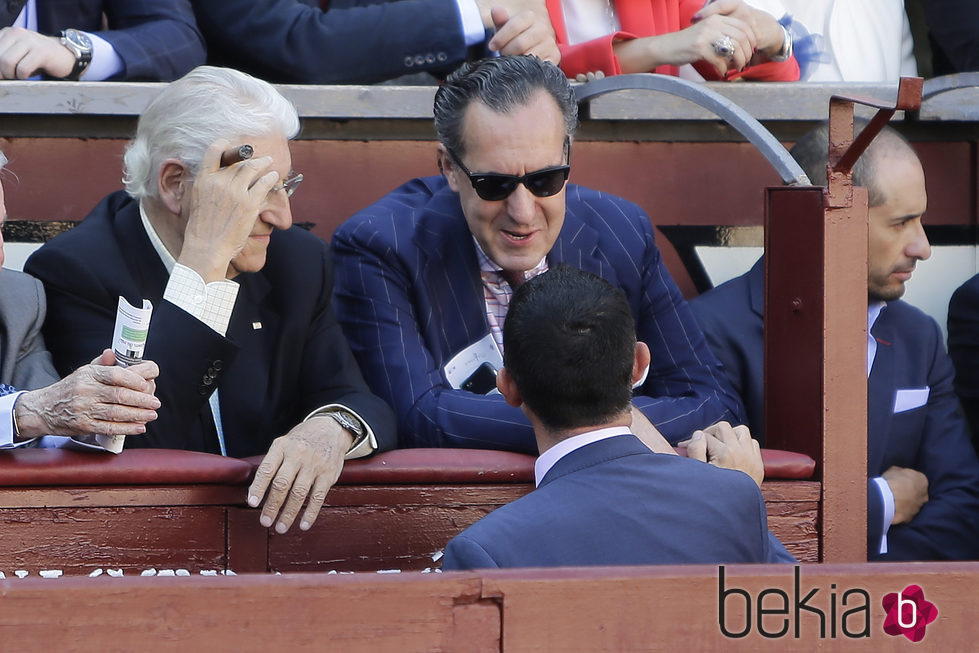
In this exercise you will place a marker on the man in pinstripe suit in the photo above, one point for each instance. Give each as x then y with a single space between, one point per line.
424 276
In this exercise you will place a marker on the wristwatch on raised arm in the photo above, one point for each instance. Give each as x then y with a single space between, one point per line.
81 46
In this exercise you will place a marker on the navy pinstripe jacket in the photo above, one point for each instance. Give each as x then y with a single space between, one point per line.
409 297
157 41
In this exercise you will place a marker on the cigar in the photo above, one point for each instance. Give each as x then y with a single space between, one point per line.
234 155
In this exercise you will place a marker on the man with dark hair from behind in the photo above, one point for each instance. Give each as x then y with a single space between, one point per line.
602 497
923 478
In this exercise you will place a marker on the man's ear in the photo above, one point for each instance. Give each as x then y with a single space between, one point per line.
448 168
172 173
508 388
640 364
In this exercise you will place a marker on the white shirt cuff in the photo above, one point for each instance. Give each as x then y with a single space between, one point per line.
887 498
366 446
105 63
471 21
211 303
7 421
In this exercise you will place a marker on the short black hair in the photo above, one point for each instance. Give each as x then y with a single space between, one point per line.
569 345
812 154
502 84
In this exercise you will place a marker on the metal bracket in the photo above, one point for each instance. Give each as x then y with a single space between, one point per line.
773 151
844 149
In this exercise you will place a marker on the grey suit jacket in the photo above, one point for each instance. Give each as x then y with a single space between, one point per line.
24 361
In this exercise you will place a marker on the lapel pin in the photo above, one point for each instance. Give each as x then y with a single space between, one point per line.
256 325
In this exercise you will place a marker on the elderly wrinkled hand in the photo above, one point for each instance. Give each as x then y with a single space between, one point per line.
729 447
25 53
95 398
224 204
300 467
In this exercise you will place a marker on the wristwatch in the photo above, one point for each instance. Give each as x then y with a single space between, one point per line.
347 420
81 46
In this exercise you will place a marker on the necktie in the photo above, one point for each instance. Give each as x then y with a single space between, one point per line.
515 279
9 10
7 389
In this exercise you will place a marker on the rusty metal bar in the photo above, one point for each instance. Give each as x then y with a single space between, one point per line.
816 326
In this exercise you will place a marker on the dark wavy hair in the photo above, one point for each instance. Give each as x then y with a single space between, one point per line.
501 83
569 344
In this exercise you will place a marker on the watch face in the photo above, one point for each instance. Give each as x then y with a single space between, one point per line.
79 39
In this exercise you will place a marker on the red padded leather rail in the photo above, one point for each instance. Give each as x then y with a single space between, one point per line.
60 467
787 465
47 467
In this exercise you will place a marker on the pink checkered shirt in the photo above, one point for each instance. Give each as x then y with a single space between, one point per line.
497 291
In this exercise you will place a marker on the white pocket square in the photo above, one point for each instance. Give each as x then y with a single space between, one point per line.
910 398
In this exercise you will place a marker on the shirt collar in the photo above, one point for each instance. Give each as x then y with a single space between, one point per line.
161 249
486 264
548 459
873 312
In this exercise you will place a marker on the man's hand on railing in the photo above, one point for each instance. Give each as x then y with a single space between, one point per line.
300 467
729 447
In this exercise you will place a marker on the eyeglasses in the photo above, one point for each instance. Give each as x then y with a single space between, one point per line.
289 185
494 186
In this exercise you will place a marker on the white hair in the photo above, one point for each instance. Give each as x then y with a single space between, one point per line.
205 105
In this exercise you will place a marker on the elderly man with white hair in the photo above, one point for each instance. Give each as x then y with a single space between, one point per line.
251 358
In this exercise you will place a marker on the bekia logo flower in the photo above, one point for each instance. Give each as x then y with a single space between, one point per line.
908 613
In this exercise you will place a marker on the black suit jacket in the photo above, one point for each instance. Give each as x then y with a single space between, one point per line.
351 42
157 40
283 356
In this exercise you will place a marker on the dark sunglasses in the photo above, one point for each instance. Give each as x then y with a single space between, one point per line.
493 186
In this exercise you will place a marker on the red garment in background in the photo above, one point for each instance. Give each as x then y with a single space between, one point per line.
640 18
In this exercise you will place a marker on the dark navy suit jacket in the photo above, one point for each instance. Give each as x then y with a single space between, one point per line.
352 42
283 356
157 40
930 437
614 502
409 297
963 347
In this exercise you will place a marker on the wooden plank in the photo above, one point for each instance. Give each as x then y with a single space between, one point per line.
793 516
248 541
115 496
80 540
364 613
386 527
671 608
528 610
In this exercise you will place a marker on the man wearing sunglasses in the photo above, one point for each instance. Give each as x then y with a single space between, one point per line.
251 357
424 276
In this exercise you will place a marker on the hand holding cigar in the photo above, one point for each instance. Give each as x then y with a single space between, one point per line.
236 154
